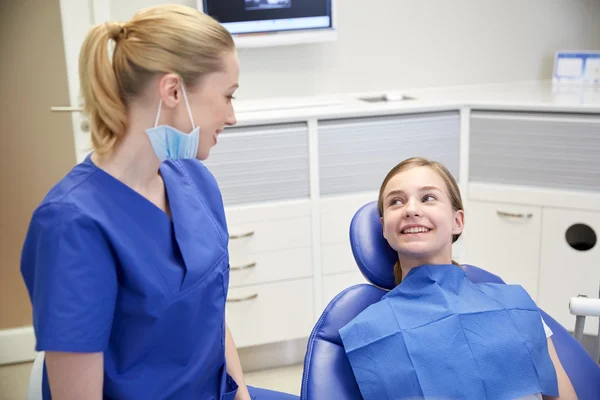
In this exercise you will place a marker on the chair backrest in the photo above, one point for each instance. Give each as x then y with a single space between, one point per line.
327 372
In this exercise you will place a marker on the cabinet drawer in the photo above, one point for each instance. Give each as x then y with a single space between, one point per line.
355 154
334 284
270 313
244 214
273 266
265 236
565 271
504 239
559 151
261 163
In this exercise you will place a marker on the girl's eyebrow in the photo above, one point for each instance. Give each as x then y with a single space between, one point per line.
426 188
401 192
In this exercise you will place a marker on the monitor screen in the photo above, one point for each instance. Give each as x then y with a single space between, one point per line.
257 16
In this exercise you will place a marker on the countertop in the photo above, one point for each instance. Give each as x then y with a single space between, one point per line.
537 96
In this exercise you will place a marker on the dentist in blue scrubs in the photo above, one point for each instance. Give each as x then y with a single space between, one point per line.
126 259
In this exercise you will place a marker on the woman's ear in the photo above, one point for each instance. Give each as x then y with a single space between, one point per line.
459 222
382 227
169 87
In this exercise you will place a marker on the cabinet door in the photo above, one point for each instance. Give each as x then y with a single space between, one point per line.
567 268
549 150
504 239
258 164
355 154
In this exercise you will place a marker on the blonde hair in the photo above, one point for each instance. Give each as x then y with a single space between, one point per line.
163 39
451 186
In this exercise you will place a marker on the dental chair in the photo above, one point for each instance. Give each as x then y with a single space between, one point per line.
327 372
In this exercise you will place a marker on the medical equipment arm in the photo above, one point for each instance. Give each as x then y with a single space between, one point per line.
234 366
75 376
565 388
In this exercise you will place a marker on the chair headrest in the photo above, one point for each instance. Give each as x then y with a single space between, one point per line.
373 254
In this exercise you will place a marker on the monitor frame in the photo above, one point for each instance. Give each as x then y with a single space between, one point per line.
286 38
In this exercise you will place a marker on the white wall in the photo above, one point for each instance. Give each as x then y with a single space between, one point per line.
398 44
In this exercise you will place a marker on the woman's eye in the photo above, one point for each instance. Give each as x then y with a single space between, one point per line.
395 202
429 197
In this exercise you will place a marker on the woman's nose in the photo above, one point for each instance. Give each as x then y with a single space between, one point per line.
231 120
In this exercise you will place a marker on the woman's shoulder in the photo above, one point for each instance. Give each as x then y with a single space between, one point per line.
70 196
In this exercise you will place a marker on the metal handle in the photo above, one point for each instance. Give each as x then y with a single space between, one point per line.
242 235
513 215
241 267
66 109
243 299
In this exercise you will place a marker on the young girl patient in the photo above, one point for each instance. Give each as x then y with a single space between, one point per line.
437 335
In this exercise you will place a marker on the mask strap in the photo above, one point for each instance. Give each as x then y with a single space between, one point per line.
158 113
187 105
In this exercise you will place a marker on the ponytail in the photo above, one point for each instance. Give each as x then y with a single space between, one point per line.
103 101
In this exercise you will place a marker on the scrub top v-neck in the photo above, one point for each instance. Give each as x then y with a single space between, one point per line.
108 271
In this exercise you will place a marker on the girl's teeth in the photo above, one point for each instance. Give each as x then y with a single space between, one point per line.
415 230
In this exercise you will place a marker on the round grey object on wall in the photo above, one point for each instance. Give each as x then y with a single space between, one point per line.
581 237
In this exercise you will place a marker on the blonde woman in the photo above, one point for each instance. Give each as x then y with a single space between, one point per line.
126 258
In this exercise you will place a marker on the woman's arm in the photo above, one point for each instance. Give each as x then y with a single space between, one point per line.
565 388
75 376
234 366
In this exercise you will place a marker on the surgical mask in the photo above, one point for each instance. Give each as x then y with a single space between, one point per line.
169 142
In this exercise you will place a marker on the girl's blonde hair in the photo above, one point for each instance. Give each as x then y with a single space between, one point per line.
163 39
451 186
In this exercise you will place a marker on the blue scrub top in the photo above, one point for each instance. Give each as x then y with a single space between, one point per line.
108 271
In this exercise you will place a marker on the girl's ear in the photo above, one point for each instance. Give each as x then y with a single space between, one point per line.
382 230
459 222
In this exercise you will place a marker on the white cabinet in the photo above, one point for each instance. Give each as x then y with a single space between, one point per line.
269 242
270 266
290 251
567 271
271 296
504 239
271 312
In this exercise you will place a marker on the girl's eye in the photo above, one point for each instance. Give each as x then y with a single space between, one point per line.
429 197
395 202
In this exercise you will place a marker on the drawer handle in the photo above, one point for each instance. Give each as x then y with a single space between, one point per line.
242 267
513 215
242 235
243 299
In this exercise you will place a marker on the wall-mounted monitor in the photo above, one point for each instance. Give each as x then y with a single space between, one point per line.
262 23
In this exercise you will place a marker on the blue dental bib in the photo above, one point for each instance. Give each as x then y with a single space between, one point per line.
438 335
